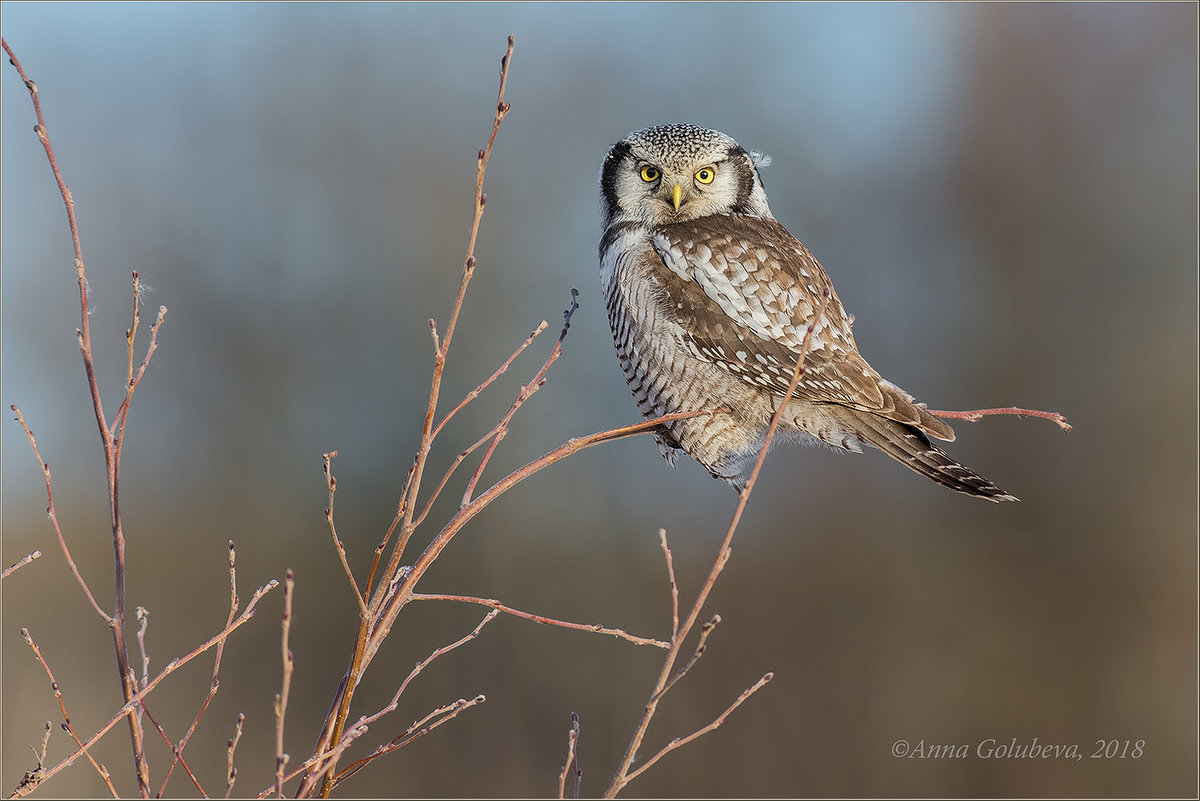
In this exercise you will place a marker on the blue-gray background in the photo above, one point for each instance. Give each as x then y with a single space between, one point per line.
1005 196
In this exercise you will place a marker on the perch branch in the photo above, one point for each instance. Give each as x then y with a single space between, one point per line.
623 776
975 415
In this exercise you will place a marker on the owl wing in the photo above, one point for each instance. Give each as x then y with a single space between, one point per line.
749 291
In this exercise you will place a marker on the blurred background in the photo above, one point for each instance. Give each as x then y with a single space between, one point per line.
1004 195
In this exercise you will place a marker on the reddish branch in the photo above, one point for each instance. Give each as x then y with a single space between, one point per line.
67 726
975 415
377 617
132 705
111 442
13 568
549 621
624 775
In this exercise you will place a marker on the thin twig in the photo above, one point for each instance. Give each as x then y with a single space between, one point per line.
442 350
337 543
62 542
335 725
572 759
230 748
110 443
67 727
171 667
549 621
424 663
175 749
525 393
123 411
215 684
143 618
701 647
33 778
444 713
13 568
975 415
622 776
662 539
681 741
480 502
281 700
458 460
473 394
325 761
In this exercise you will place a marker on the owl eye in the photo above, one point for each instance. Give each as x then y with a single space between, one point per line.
649 174
705 175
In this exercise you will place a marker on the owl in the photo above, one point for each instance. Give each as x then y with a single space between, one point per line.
709 299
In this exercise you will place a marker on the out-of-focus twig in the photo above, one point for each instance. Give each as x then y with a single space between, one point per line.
13 568
53 515
67 725
171 667
572 759
215 684
281 700
110 441
230 748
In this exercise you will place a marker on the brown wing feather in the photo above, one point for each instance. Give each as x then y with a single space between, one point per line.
748 293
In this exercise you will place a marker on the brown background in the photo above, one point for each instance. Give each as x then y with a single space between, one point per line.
1004 195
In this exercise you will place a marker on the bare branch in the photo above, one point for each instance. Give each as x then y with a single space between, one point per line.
332 732
33 778
215 684
662 539
67 727
281 700
174 749
975 415
443 714
549 621
623 776
13 568
337 543
62 542
171 667
230 748
701 647
110 444
473 394
445 649
681 741
523 395
572 758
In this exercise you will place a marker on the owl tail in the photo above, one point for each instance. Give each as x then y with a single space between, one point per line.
911 447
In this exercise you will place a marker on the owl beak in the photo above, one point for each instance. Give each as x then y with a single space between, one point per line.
677 195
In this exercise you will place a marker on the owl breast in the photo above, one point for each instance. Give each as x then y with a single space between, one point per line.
664 375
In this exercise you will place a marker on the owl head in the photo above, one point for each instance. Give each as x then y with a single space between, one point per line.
675 173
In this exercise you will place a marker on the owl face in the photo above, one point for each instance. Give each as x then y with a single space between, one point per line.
676 173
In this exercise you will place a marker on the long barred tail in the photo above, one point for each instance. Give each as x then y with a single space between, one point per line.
910 447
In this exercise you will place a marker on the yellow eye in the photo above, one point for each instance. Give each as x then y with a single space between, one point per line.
705 175
649 174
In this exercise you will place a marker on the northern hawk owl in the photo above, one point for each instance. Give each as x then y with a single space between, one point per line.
709 299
